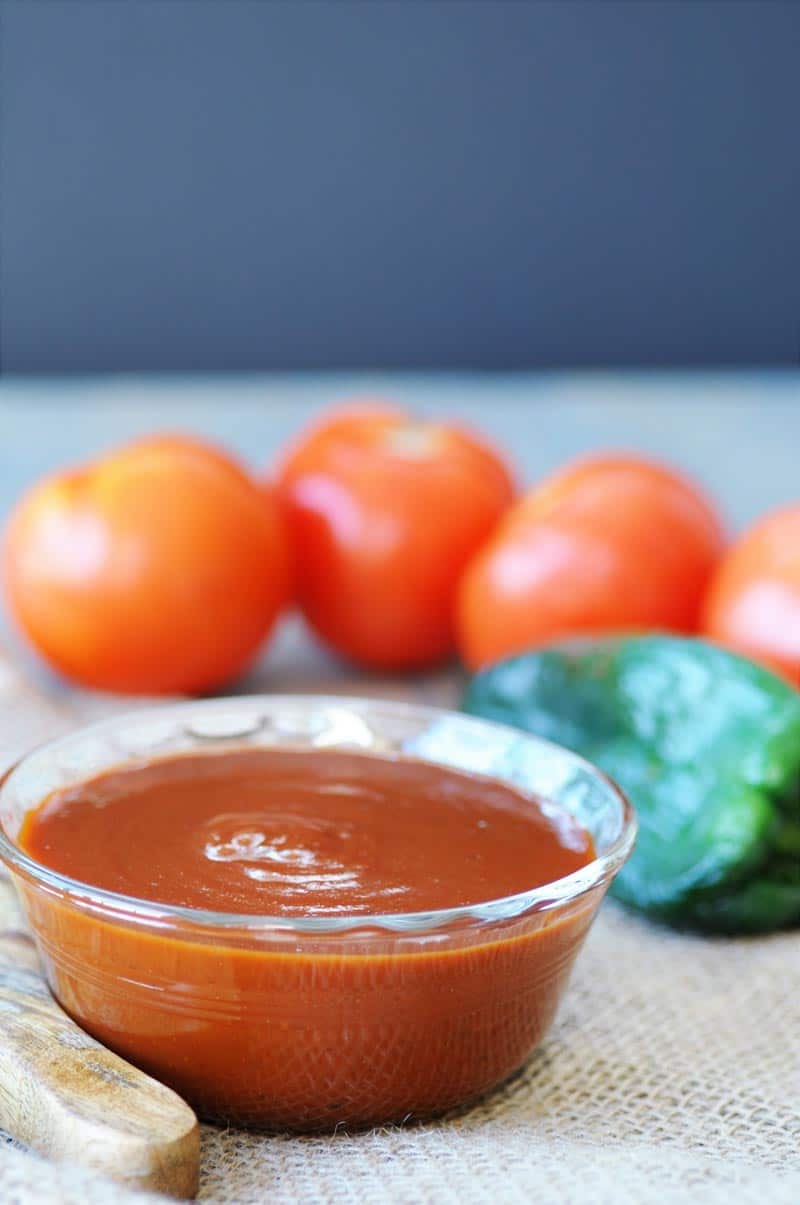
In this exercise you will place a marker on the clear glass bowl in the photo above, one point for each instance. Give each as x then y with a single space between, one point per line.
317 1022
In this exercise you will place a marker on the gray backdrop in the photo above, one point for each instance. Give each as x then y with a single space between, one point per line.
257 184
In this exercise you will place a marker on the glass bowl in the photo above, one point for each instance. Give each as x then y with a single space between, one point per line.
320 1022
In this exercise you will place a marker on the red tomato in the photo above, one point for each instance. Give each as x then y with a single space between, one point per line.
608 543
158 568
384 512
753 603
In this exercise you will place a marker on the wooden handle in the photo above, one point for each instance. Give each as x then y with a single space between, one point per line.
61 1092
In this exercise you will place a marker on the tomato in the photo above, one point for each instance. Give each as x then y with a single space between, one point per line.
158 568
753 603
609 543
384 512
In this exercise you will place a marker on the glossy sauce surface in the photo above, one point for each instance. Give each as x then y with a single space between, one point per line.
290 833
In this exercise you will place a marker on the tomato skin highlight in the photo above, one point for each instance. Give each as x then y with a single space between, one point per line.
383 514
753 602
609 543
159 568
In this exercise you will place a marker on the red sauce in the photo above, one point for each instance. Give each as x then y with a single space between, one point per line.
289 833
296 1030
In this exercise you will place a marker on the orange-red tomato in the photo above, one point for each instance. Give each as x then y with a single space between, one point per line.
160 567
753 603
609 543
384 512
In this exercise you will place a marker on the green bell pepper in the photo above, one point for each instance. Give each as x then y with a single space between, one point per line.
707 747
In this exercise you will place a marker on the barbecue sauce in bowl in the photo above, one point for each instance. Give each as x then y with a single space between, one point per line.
251 1012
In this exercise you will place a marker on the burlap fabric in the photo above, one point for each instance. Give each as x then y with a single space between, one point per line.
672 1074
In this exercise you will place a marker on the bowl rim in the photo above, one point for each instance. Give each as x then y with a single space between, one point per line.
119 906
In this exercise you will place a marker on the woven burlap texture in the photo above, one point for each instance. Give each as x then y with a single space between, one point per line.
671 1074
